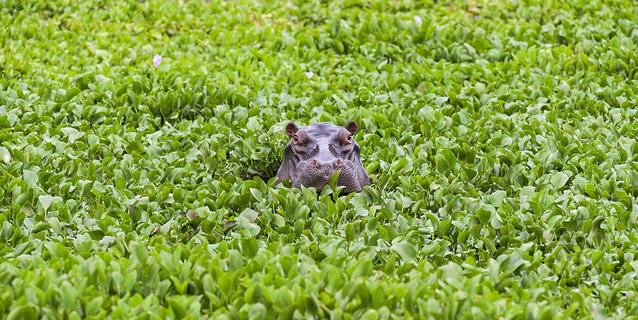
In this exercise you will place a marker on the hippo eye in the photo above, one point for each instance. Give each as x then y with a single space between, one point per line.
348 141
295 139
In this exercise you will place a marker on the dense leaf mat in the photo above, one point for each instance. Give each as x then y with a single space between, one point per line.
500 137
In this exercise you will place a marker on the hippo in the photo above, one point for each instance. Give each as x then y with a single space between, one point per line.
315 152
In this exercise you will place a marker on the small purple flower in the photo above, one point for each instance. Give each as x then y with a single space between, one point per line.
157 60
309 74
418 20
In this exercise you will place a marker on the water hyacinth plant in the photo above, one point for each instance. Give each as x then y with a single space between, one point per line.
500 138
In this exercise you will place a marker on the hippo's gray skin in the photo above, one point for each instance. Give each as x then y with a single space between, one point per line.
315 152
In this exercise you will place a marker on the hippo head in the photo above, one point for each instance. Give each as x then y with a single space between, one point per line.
317 151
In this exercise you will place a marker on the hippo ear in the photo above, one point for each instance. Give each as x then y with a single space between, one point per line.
352 127
291 129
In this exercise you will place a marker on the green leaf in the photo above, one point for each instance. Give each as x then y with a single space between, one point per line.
225 284
497 198
23 312
512 263
442 165
559 180
405 249
249 246
93 306
139 252
5 156
485 213
72 133
398 165
31 178
235 260
93 141
249 214
256 193
253 124
46 201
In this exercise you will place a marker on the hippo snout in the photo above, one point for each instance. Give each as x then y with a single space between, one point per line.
317 173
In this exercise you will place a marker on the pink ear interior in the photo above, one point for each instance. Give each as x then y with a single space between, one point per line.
291 129
352 127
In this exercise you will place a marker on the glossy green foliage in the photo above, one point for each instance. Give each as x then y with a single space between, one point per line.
500 136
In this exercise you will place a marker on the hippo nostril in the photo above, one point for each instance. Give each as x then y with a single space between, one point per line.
337 163
313 163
